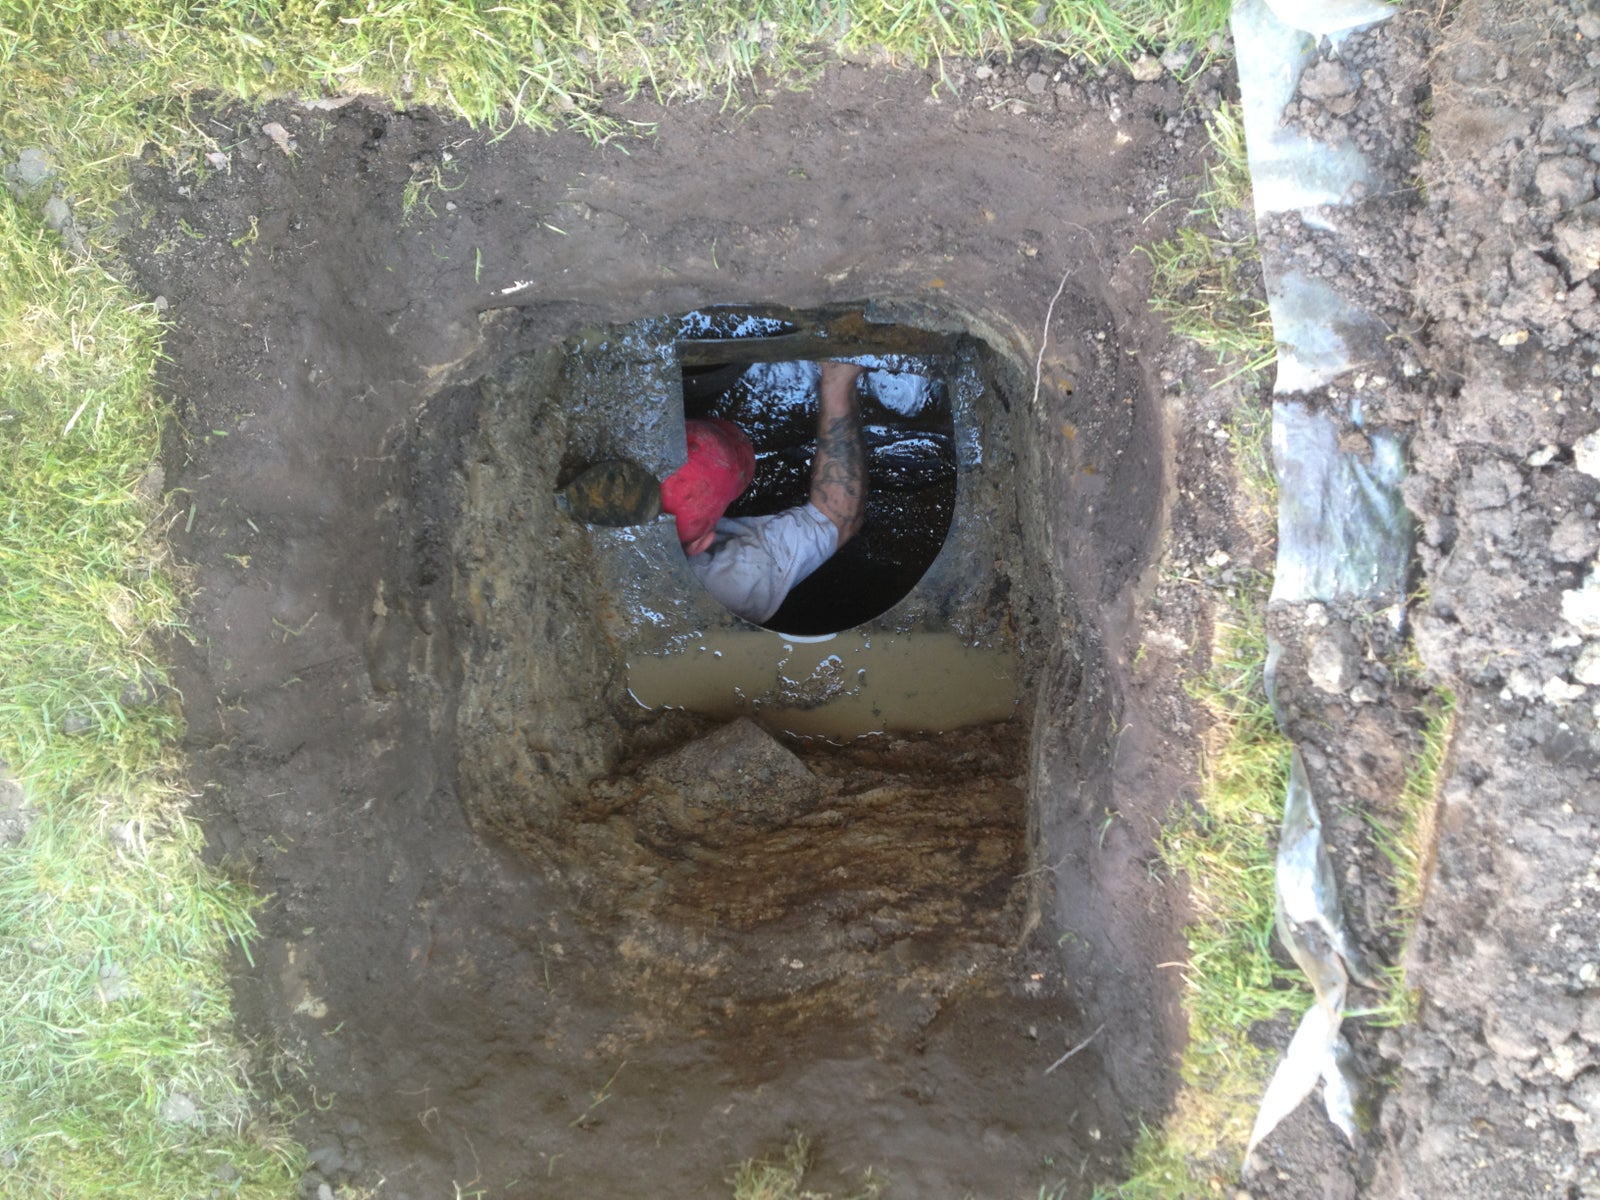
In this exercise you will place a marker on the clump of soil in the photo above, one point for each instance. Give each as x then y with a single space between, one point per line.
525 935
1498 1085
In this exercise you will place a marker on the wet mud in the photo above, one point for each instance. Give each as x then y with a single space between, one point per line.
534 937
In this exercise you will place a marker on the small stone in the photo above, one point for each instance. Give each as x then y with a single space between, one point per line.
1584 1095
179 1109
1489 485
1578 242
1587 669
1364 692
328 1157
112 984
280 137
1522 683
139 692
1558 691
983 72
57 213
76 724
1575 538
1588 973
1509 1039
1568 180
1580 606
217 159
15 816
1563 1062
1146 69
1037 82
1175 58
1332 663
1586 454
1324 80
1218 558
1513 339
33 167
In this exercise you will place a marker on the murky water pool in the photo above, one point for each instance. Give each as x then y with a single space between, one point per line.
841 686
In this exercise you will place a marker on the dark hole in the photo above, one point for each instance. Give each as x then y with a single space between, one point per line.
911 458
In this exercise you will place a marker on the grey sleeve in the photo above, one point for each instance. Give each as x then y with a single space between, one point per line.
755 561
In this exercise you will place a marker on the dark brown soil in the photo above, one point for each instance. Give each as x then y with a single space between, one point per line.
515 942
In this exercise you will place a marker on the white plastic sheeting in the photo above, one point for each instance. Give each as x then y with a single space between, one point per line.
1343 532
1319 332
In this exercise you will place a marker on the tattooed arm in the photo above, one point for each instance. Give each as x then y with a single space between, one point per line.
839 470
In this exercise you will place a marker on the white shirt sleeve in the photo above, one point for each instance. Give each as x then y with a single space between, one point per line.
753 561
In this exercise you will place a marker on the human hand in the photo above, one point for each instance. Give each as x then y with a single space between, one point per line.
839 374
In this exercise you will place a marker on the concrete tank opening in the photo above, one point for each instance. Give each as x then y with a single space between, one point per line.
759 370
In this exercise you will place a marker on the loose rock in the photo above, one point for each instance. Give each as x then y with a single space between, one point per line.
1146 69
32 168
1332 662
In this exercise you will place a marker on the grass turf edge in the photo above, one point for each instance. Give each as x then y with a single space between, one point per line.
120 1062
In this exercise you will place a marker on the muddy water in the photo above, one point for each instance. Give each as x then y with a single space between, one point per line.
841 686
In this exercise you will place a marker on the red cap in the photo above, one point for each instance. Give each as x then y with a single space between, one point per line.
721 465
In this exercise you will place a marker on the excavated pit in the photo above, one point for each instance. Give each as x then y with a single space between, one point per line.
781 882
541 926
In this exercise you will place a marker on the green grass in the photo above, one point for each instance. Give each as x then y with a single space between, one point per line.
783 1177
1405 841
1206 282
113 934
1223 849
1419 794
1158 1170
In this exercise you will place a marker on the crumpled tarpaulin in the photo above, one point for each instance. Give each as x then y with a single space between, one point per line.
1320 333
1311 925
1344 534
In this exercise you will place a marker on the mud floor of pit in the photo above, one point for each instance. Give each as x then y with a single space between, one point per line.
510 933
